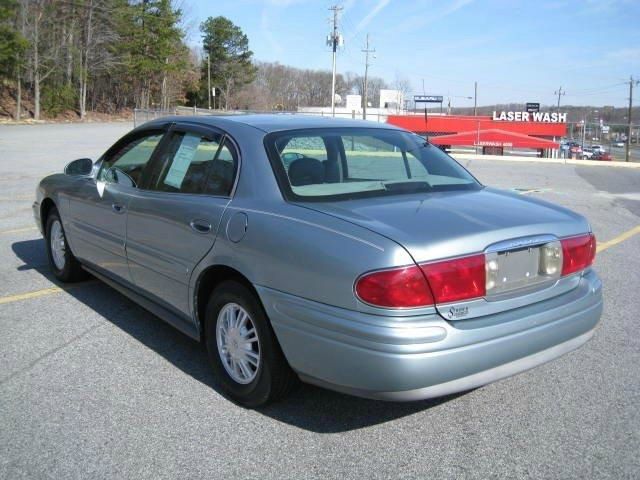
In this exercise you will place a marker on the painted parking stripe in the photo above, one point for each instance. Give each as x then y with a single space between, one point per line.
53 290
43 293
30 295
620 238
18 230
17 198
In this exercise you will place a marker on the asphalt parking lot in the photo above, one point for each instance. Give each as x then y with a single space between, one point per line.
93 386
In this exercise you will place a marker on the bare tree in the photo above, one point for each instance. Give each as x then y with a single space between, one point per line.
44 50
403 85
95 56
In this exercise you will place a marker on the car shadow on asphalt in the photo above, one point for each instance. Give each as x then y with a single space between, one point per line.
308 407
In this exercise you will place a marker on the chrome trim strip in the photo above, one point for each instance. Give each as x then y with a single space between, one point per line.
481 307
522 242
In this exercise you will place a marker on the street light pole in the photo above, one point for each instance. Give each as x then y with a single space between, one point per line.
209 78
630 124
475 99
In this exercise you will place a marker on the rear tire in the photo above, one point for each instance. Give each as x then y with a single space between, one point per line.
243 350
63 263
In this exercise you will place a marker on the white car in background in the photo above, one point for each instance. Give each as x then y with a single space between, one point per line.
587 153
598 148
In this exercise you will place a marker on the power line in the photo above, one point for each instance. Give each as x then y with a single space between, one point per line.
366 51
632 82
334 39
559 93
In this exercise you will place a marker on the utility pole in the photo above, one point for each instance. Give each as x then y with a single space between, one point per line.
209 77
475 99
366 51
559 93
629 126
334 38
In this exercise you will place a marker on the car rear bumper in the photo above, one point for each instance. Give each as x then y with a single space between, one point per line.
413 358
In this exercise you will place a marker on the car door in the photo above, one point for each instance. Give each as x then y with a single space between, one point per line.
98 207
173 224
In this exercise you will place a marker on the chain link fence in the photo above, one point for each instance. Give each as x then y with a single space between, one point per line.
612 137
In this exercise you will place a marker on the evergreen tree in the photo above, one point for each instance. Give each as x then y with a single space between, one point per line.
230 58
12 43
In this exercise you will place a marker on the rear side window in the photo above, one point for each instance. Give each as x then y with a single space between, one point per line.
222 172
196 164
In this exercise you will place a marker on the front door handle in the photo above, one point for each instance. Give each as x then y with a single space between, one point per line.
117 207
200 226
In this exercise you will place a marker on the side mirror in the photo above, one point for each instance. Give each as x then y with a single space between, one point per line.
80 167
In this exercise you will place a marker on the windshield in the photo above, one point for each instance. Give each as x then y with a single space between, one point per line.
346 163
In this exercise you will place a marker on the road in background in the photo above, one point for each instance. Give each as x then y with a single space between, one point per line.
92 385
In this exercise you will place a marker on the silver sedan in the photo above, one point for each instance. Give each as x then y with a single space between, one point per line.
351 255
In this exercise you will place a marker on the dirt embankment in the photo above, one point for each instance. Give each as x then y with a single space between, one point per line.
8 111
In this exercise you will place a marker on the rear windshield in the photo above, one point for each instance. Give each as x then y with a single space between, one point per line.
346 163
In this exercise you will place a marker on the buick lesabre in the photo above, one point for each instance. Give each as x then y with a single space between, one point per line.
351 255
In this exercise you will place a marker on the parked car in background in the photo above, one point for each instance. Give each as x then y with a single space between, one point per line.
348 254
604 156
597 148
619 144
587 153
575 149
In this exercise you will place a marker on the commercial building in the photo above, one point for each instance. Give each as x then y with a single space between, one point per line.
502 133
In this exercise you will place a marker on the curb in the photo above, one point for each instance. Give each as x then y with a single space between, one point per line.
559 161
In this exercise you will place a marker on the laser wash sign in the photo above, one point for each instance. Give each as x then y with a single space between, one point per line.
544 117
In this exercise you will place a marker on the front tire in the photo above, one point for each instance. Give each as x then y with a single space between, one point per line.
63 263
243 350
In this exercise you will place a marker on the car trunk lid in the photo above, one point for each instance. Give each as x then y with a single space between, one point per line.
443 225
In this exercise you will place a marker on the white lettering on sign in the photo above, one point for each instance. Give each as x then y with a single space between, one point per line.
544 117
491 143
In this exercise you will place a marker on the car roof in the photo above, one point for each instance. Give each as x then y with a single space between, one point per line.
275 122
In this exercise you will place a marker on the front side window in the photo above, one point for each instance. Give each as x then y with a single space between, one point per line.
126 164
334 164
196 164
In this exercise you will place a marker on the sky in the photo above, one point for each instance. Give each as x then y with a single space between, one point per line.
517 51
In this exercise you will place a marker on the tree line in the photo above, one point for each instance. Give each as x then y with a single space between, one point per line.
108 56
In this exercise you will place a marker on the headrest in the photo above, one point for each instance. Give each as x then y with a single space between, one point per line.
306 171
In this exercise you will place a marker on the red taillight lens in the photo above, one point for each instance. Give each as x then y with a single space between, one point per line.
456 279
403 287
577 253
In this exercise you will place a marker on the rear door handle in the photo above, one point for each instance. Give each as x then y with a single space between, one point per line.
117 207
200 226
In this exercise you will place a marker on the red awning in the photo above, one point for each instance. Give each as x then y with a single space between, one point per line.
493 138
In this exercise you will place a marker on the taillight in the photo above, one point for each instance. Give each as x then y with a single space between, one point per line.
403 287
464 278
577 253
456 279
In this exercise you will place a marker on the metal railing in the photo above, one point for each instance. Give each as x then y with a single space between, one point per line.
142 115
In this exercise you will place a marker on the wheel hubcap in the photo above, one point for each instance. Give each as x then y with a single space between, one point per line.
58 247
238 343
